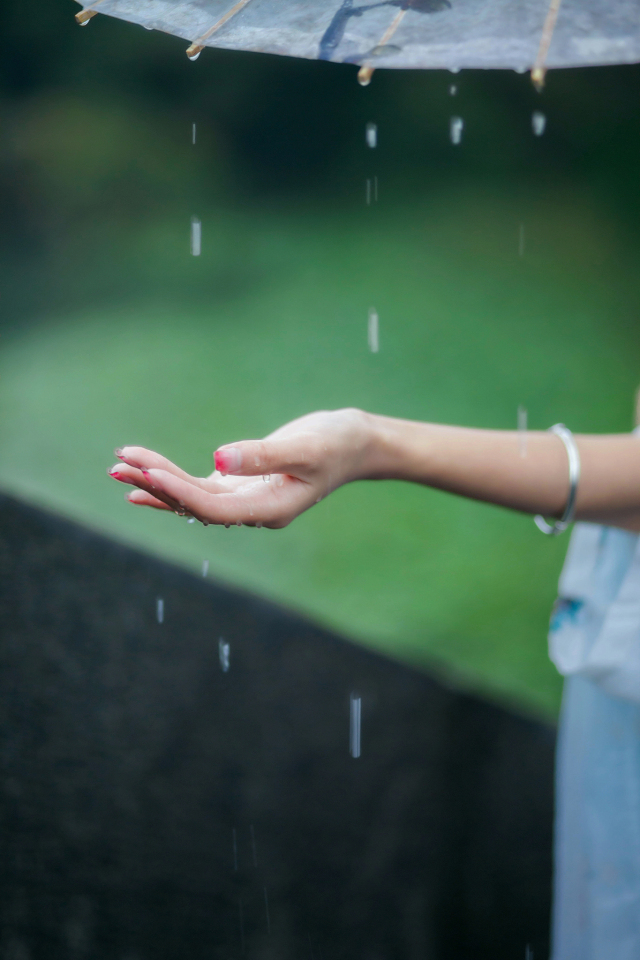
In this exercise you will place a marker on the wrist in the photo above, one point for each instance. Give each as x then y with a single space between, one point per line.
398 449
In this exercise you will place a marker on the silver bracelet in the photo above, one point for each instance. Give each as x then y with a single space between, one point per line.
559 526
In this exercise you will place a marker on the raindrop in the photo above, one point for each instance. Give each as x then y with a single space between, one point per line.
522 430
456 125
364 76
373 331
85 23
191 520
227 525
354 725
538 122
266 477
454 69
453 89
223 652
205 567
372 135
194 56
193 133
238 523
196 236
258 525
160 610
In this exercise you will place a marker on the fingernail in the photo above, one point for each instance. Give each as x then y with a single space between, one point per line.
115 473
148 478
228 460
118 453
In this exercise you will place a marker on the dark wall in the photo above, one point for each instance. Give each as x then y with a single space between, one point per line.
154 806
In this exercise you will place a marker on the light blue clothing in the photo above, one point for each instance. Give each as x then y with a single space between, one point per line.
595 641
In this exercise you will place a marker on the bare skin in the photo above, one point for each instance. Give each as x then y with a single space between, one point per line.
307 459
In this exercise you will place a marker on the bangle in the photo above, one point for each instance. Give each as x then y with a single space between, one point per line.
559 526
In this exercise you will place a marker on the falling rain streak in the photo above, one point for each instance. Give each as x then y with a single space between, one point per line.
453 89
235 850
253 847
528 955
522 430
456 126
373 328
372 135
266 908
193 133
205 567
372 191
196 237
160 610
224 654
241 926
538 122
354 725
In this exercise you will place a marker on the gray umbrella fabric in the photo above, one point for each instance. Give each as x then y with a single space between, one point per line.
401 34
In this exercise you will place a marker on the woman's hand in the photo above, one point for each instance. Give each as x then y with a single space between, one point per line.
257 482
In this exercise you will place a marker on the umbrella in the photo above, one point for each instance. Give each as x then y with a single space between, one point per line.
402 34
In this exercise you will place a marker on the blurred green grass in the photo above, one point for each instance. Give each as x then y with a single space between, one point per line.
269 323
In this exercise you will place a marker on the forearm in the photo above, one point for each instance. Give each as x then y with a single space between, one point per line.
489 465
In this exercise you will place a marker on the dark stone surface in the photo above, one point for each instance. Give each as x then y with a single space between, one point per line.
129 758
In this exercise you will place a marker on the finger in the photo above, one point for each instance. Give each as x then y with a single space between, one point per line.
143 459
132 475
222 508
143 499
297 456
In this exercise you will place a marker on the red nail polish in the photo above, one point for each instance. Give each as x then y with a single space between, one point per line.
228 460
116 474
145 474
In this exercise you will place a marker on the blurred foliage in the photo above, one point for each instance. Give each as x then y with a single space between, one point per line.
112 333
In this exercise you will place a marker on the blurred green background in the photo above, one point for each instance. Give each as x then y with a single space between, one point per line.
112 333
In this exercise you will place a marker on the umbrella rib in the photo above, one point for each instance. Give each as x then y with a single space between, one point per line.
366 72
87 12
539 69
198 44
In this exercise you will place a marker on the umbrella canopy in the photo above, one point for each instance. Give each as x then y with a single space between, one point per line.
451 34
